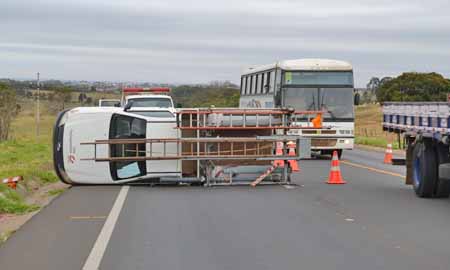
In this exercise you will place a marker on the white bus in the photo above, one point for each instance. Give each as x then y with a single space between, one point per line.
307 85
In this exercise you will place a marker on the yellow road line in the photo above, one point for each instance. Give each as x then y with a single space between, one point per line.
372 169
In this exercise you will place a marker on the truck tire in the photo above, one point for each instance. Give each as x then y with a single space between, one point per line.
424 168
442 189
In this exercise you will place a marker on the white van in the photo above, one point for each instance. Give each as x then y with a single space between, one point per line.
87 124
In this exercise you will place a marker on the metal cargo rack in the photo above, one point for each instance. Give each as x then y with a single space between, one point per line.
243 119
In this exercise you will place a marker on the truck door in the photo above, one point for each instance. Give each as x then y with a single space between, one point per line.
127 127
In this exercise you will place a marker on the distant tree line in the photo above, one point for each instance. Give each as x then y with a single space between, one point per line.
414 86
204 96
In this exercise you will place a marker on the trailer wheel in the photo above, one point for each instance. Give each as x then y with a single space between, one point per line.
442 189
424 169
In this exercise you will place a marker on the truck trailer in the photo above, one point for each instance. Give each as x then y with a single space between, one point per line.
425 127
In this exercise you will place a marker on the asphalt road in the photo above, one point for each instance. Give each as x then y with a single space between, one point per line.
372 222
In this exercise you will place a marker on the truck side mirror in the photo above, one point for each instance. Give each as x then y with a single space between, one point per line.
179 105
128 106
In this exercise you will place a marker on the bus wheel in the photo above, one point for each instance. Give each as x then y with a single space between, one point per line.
424 169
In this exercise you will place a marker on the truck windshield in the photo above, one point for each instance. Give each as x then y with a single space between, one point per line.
337 103
126 127
151 102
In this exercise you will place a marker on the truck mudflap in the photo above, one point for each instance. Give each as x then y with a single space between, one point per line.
444 172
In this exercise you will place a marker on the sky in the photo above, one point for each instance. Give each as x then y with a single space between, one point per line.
198 41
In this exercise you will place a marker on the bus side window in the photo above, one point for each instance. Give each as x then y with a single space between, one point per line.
271 81
277 83
261 88
255 80
242 84
246 85
258 82
249 90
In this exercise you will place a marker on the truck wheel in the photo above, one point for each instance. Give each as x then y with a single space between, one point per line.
424 169
442 189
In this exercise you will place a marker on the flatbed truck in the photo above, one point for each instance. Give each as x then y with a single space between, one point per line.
425 127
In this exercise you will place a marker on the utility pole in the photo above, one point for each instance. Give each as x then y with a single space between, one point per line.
37 106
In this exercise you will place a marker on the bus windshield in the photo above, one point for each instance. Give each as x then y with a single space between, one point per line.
316 78
337 103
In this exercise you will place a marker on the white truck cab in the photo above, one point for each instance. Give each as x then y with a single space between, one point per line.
147 98
73 158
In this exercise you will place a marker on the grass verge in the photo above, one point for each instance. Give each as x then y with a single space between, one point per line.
375 141
55 192
26 155
11 202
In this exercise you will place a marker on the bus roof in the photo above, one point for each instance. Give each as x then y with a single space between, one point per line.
303 65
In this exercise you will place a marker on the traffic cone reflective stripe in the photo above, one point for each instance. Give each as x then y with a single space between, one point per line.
292 163
388 154
335 177
279 152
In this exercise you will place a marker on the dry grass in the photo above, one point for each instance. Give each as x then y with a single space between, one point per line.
368 128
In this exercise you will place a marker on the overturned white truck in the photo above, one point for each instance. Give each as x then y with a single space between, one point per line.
426 130
198 146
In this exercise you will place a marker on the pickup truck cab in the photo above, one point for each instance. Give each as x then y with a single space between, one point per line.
154 97
73 159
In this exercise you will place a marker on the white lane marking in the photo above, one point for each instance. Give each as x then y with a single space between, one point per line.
97 252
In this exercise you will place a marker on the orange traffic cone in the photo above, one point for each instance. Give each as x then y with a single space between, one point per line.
279 152
335 176
293 163
388 154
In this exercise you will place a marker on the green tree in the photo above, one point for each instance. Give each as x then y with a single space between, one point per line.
414 87
8 110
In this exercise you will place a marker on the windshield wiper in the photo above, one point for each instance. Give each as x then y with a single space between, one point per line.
312 106
323 105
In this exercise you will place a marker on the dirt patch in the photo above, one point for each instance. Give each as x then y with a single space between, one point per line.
9 223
